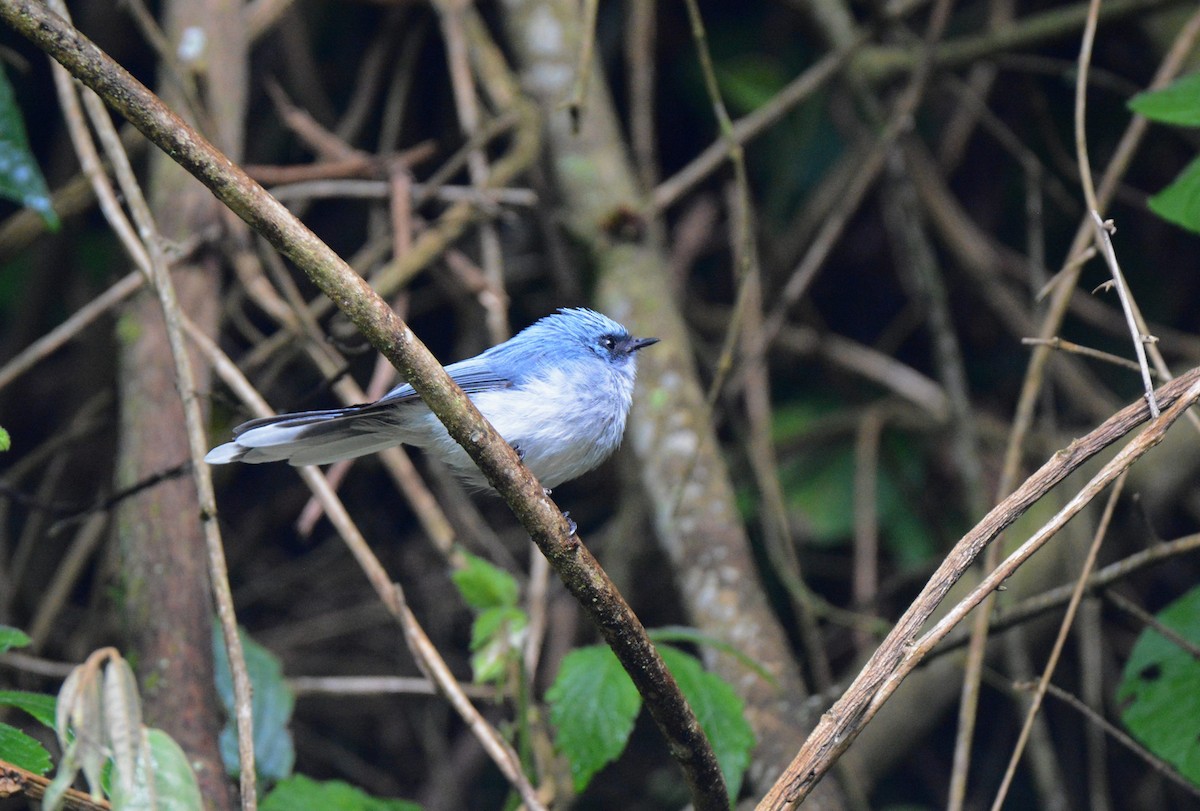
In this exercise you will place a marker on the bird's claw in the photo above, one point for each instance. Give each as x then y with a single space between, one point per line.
518 450
572 527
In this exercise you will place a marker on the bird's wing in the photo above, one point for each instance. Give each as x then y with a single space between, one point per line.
472 376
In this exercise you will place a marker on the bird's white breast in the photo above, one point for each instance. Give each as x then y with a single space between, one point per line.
565 422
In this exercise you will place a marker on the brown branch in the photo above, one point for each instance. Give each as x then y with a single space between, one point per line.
14 781
881 63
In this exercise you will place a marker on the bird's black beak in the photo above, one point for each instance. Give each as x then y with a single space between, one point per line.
634 344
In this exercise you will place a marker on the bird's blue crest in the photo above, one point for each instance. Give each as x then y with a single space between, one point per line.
567 333
578 322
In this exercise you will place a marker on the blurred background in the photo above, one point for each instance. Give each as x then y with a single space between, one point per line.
842 306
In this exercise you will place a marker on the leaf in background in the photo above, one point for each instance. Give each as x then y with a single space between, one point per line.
593 705
496 635
749 82
123 723
1179 202
79 721
12 638
6 444
169 784
1177 103
685 633
1160 689
21 750
300 793
20 178
272 704
720 713
819 488
39 705
483 585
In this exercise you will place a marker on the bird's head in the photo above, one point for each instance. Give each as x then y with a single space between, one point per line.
582 330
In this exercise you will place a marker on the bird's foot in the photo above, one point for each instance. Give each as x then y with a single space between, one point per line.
517 449
572 527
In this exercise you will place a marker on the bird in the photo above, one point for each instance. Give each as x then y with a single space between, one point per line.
558 392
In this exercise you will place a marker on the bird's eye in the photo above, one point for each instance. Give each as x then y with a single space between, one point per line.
607 342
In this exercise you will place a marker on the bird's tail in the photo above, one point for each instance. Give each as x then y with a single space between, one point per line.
311 437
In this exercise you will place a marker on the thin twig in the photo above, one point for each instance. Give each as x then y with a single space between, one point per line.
865 577
641 25
66 574
1117 734
382 190
84 317
1150 621
1104 240
376 685
1059 641
1088 352
583 69
752 125
1102 231
451 14
881 63
1081 78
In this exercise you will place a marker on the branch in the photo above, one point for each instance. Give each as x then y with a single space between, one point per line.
14 780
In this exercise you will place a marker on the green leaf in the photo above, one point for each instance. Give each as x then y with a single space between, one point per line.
21 750
64 776
593 705
720 713
5 440
12 637
684 633
39 705
795 419
1160 689
1179 202
749 82
124 728
271 707
483 585
1178 103
300 793
175 784
20 178
496 636
820 488
163 779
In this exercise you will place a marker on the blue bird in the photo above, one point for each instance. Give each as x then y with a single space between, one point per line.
559 392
